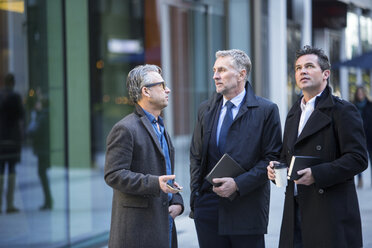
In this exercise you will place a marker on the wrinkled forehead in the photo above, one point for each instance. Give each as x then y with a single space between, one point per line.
224 62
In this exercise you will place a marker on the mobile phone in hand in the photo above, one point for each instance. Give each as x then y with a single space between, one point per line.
174 187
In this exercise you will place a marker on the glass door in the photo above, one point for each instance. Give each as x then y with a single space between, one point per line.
33 184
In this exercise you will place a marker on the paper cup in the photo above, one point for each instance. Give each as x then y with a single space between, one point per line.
280 174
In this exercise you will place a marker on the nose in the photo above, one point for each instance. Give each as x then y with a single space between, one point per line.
216 75
167 90
303 70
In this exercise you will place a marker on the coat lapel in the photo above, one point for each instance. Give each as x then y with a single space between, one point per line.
149 128
318 119
249 101
292 122
209 118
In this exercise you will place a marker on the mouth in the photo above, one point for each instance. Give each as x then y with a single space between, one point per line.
304 79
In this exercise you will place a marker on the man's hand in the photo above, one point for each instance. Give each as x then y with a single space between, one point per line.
163 183
270 170
307 177
174 210
227 187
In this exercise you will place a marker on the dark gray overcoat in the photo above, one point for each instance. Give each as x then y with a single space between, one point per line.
329 208
134 160
254 139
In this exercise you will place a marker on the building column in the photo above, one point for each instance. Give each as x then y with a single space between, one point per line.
359 79
302 15
278 55
344 71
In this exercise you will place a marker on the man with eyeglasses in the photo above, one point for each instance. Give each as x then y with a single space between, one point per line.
139 167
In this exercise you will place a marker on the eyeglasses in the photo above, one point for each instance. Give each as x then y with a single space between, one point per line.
154 84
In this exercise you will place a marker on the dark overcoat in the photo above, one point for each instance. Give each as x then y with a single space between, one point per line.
254 139
329 208
11 117
134 161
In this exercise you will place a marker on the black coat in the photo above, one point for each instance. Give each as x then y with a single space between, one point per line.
329 208
254 140
11 118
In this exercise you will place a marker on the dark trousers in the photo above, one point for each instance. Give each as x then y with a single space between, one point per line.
297 242
206 223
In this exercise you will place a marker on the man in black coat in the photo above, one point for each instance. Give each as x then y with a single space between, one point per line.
321 208
252 139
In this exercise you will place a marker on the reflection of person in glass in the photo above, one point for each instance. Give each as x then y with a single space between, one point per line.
38 131
11 118
364 105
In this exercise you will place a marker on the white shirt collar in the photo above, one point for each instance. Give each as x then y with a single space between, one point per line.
236 100
310 103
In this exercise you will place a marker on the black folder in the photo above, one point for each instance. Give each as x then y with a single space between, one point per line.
300 163
225 167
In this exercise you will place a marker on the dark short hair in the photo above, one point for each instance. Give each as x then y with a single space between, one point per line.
323 60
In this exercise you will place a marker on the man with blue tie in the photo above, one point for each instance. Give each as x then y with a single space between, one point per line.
139 163
247 127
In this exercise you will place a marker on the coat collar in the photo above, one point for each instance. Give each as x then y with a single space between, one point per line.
215 104
149 128
250 99
317 120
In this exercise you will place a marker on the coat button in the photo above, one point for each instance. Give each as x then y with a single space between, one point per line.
197 193
318 147
164 203
321 191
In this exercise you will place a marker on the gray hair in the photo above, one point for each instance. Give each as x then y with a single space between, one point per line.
240 59
137 78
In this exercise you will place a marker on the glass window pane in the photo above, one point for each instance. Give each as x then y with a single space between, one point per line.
33 172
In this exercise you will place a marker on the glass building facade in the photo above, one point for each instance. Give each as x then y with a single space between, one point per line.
63 66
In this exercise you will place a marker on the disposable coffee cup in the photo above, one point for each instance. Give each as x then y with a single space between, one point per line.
280 174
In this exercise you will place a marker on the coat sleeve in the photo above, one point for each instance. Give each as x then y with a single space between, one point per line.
196 148
348 129
118 173
270 146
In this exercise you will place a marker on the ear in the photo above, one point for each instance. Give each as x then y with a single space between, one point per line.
242 74
145 92
326 74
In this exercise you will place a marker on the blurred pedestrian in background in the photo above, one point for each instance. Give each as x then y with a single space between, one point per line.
364 105
38 131
11 132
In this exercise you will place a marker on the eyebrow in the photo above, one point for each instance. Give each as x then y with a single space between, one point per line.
307 63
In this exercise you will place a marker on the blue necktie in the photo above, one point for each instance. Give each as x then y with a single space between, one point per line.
227 121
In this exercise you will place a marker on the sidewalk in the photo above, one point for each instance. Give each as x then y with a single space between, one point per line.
187 235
